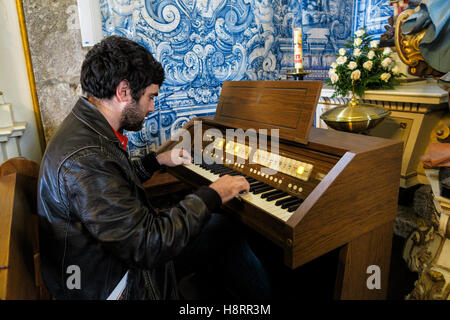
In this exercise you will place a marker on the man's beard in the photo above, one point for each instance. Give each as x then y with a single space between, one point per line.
132 119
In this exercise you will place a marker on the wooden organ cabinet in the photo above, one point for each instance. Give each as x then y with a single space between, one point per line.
416 109
327 189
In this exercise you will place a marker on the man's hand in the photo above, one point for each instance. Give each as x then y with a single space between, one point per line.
230 186
174 157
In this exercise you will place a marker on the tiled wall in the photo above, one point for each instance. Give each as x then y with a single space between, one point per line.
373 14
202 43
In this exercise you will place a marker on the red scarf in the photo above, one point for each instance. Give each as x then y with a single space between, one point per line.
122 138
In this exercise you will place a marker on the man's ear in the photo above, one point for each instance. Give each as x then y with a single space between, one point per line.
123 91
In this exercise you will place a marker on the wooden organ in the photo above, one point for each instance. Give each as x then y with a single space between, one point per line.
319 190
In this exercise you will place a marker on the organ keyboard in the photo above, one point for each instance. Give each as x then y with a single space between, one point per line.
314 191
280 205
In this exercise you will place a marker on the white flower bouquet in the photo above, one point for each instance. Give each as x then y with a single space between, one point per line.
363 66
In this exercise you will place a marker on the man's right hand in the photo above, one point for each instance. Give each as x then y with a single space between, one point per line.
230 186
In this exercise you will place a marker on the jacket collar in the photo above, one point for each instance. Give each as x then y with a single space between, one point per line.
92 117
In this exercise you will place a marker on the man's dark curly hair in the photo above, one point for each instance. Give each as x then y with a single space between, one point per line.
115 59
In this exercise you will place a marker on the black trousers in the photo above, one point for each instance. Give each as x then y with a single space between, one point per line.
222 258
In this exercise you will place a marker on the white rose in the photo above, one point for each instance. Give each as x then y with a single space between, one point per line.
371 54
374 44
357 42
395 70
387 51
385 77
334 78
368 65
342 51
386 62
341 60
352 65
356 75
334 65
357 52
359 33
331 71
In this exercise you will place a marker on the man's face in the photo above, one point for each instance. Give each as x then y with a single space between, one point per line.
134 114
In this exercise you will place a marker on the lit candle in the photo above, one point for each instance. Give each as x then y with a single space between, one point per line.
298 51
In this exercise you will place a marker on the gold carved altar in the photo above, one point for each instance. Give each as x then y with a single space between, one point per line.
427 250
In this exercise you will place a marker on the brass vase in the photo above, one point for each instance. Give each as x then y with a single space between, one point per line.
355 116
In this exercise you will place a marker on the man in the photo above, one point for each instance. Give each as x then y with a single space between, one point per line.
96 222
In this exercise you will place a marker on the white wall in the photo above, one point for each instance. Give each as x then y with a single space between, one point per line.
14 80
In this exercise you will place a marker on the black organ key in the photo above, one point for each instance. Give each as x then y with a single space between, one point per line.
226 172
290 203
282 201
220 170
293 207
230 173
277 196
215 166
235 173
256 185
262 189
211 167
267 194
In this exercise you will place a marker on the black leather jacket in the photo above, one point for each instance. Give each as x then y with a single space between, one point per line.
94 214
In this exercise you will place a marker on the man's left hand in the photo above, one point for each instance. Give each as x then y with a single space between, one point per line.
174 158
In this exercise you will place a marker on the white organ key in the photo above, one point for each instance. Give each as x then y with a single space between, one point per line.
202 172
269 207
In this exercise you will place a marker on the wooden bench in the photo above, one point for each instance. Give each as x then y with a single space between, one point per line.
20 277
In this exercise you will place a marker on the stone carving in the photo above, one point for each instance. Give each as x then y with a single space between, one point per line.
56 52
430 286
421 246
427 252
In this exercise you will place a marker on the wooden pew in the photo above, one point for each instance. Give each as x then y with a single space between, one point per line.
20 277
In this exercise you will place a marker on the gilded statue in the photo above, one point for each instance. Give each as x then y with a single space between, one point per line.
421 38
